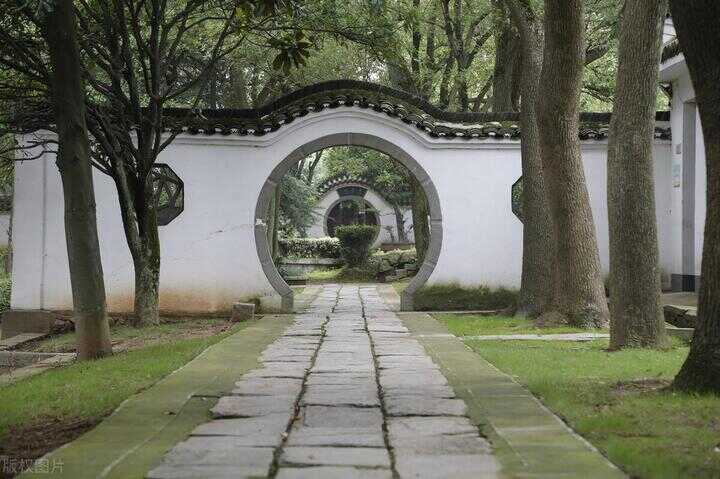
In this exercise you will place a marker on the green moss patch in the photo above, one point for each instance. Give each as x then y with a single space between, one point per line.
453 297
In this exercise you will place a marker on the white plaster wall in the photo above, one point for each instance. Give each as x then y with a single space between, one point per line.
675 72
209 257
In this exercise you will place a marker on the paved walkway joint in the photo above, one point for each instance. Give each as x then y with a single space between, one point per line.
345 392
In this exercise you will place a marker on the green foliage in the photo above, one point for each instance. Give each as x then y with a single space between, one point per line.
389 176
449 297
618 401
355 241
293 51
296 205
347 274
387 261
310 247
475 325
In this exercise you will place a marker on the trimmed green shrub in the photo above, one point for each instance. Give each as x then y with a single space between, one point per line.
355 242
390 260
453 297
309 247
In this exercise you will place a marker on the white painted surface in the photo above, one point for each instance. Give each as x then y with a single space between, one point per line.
675 72
209 257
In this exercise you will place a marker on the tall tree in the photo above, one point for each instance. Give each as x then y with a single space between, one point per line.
538 282
508 70
73 161
580 299
138 57
464 42
420 216
698 31
636 318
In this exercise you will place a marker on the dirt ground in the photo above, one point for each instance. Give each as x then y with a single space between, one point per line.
23 445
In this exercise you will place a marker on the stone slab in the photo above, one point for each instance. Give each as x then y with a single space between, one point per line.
268 387
341 417
194 462
253 406
413 427
335 456
469 466
19 339
363 395
330 472
262 431
337 436
424 406
18 321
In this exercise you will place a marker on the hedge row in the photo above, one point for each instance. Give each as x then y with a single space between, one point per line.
310 247
452 297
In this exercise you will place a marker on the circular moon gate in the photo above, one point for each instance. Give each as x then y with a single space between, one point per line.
348 139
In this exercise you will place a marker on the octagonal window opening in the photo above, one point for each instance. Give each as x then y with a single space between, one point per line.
516 199
169 193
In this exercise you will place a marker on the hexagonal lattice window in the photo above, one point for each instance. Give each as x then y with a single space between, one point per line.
169 193
516 202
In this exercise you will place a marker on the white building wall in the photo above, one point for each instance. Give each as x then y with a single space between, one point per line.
209 258
674 71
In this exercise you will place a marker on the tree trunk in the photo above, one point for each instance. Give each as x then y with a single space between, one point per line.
462 87
697 29
147 285
506 63
270 221
400 223
73 161
636 318
444 97
421 226
276 223
581 298
147 261
538 281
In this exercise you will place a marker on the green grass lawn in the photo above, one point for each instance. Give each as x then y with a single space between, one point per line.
474 325
618 401
84 392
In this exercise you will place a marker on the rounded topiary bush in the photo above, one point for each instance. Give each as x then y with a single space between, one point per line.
355 241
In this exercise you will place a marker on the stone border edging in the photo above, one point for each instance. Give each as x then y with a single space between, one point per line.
136 435
529 439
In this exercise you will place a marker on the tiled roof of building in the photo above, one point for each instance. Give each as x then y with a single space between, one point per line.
670 50
397 104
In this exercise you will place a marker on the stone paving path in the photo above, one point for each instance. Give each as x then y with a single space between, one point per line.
345 392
